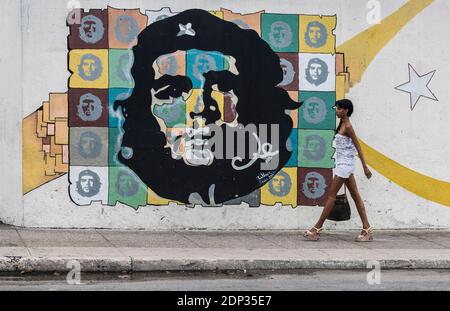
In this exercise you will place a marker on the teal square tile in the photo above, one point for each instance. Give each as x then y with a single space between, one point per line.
120 63
116 118
318 110
125 187
280 31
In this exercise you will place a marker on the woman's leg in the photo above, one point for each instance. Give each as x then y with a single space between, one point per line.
336 184
351 185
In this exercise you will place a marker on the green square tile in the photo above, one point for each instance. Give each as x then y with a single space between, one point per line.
315 148
317 111
120 63
125 187
280 31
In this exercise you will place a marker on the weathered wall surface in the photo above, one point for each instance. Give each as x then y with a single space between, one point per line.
404 126
11 207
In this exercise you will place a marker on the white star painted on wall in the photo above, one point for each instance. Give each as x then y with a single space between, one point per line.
186 30
417 86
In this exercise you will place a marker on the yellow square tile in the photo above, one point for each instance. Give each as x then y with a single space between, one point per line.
90 69
282 188
316 34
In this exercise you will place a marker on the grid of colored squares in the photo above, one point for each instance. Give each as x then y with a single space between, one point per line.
100 61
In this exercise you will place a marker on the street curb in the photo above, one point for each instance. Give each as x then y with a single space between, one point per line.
53 264
142 264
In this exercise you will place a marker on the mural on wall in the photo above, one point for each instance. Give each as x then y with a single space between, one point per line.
204 108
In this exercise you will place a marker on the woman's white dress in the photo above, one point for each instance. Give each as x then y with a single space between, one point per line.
345 156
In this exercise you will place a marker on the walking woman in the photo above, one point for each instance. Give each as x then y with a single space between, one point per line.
346 147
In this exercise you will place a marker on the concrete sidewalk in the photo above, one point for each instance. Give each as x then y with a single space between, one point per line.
33 250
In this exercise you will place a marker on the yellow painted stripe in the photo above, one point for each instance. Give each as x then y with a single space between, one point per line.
424 186
361 50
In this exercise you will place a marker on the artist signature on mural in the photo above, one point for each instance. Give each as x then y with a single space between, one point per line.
263 177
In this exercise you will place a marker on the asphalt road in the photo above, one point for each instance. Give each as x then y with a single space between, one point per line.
405 280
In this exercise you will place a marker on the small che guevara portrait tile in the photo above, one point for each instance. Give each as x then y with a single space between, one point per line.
316 34
199 62
318 110
282 188
315 148
90 69
120 64
124 27
125 187
280 31
88 108
88 184
313 184
317 72
91 31
89 146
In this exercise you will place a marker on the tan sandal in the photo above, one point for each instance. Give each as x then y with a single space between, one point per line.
313 236
365 235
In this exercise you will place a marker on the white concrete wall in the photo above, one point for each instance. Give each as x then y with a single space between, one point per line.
418 139
11 207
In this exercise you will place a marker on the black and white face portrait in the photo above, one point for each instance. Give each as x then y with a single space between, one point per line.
88 184
317 71
208 170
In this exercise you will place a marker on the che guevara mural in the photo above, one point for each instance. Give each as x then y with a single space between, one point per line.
198 107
